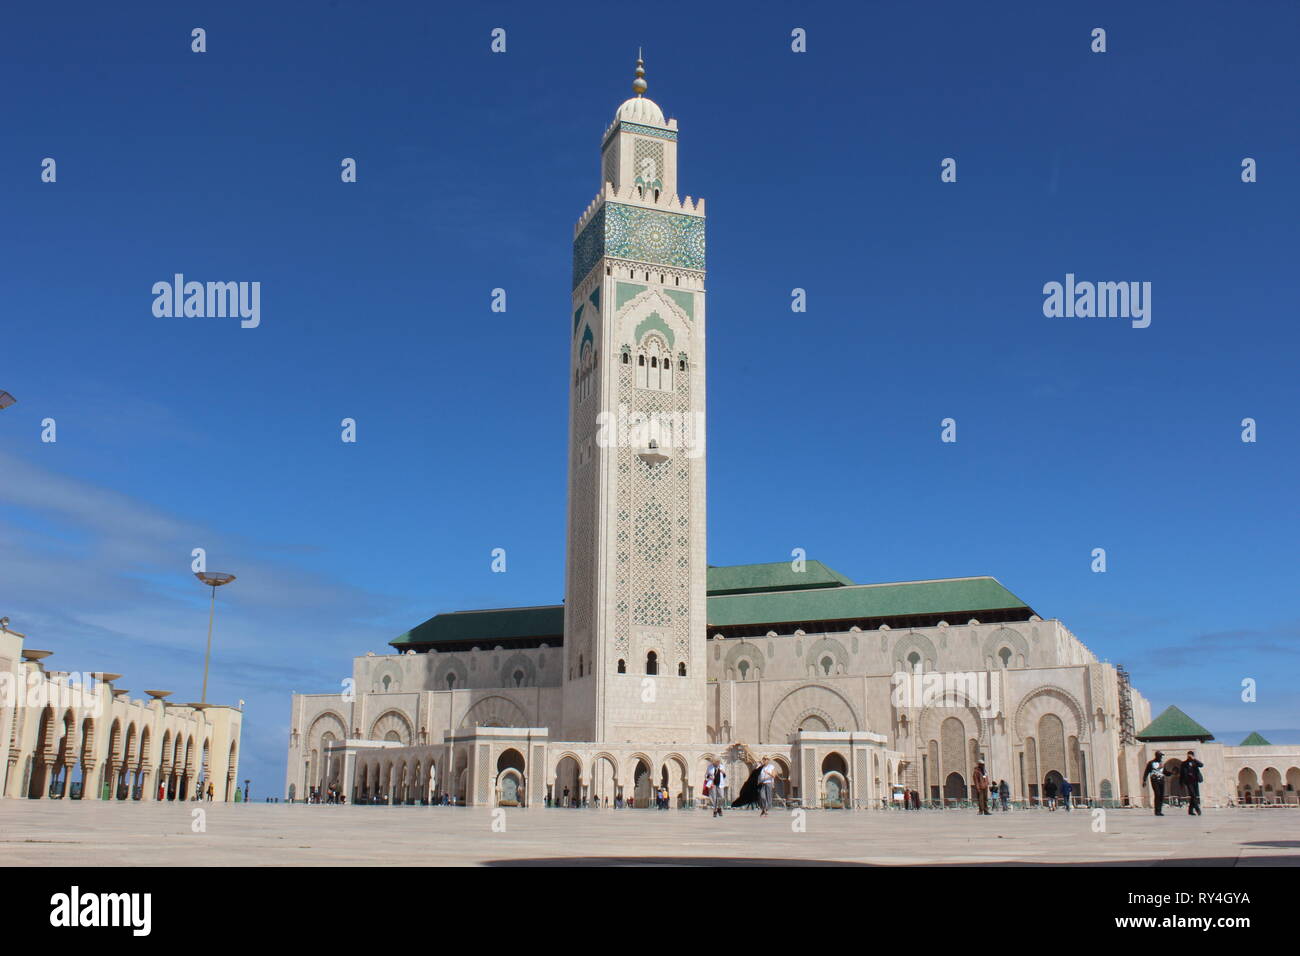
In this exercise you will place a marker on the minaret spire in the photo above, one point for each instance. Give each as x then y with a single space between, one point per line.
639 85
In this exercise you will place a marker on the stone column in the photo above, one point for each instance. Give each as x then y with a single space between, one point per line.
11 772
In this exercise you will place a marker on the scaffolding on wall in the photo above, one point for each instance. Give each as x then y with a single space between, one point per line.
1126 730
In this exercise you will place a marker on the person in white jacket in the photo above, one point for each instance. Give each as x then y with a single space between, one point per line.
715 784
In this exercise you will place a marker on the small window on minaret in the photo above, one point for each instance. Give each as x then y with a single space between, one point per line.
627 359
652 663
681 669
622 666
681 365
640 360
579 665
654 362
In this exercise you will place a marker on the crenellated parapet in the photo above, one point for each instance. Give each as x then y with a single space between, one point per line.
635 196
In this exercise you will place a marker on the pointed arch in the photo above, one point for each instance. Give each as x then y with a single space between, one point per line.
392 725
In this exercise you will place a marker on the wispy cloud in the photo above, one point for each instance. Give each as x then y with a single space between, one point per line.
103 580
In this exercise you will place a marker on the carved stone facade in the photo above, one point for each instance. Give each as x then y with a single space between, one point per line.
656 663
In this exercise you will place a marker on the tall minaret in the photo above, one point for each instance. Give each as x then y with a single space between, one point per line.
635 572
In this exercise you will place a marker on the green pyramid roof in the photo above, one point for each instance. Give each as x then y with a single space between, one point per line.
1173 724
1254 740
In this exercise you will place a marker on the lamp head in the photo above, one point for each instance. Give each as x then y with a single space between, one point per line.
214 578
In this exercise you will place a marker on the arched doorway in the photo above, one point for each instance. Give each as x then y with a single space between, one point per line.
835 789
459 779
1247 785
568 776
642 785
673 779
1272 780
63 762
954 787
604 781
1053 777
781 790
510 778
232 764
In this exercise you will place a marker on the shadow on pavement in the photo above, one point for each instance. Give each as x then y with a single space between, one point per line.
1217 861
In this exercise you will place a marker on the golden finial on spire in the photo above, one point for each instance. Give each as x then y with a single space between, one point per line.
639 85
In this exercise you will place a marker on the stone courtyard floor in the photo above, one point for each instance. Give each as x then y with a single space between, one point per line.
65 833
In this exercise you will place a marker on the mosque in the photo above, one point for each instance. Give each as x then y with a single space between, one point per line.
657 662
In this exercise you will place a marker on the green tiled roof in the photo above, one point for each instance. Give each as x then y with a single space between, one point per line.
498 624
1173 724
828 597
1254 740
745 578
952 596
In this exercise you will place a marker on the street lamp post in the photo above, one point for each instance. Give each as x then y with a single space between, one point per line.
214 580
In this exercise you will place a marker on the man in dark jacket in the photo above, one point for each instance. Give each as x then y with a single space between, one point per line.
1155 770
1189 775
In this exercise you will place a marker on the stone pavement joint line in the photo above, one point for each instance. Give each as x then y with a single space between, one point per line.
52 833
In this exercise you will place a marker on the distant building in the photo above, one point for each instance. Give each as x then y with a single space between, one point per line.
76 736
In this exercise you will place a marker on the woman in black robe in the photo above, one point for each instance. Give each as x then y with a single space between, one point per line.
749 792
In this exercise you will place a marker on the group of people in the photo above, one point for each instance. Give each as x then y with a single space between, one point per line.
1189 775
757 790
330 795
986 791
200 792
983 785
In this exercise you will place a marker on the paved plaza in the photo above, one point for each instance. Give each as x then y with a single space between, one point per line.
37 833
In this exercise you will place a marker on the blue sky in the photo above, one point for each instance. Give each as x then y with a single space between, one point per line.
821 171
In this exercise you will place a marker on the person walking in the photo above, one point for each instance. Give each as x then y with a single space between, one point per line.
1066 789
715 782
1155 770
766 783
1049 794
1189 775
980 780
1004 795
